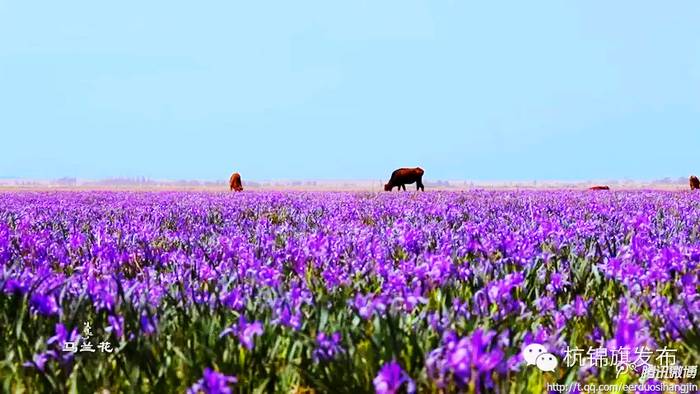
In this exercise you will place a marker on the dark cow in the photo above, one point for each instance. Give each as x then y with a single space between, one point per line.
234 182
402 176
694 183
599 188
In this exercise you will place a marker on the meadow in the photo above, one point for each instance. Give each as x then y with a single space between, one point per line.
342 292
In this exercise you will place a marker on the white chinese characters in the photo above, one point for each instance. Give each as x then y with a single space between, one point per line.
659 364
86 344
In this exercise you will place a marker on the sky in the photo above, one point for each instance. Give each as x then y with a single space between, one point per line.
550 90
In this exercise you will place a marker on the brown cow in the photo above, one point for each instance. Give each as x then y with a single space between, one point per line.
694 182
235 182
599 188
402 176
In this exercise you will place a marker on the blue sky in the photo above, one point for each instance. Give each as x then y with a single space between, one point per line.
350 90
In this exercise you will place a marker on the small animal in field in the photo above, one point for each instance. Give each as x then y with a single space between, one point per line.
234 182
403 176
599 188
694 182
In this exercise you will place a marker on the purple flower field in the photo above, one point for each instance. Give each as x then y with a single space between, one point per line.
345 292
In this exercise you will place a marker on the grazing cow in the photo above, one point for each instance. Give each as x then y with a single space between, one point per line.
694 183
599 188
402 176
235 182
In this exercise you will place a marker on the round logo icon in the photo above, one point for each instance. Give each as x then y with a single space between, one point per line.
537 354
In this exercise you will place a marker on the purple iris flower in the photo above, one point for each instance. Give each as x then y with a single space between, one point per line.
472 352
544 304
13 286
468 359
39 360
557 282
116 325
148 324
364 306
626 333
213 382
390 379
45 305
245 331
56 342
234 299
248 332
61 335
327 347
580 306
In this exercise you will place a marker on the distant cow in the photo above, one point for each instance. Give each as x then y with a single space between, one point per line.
694 182
235 182
403 176
599 188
